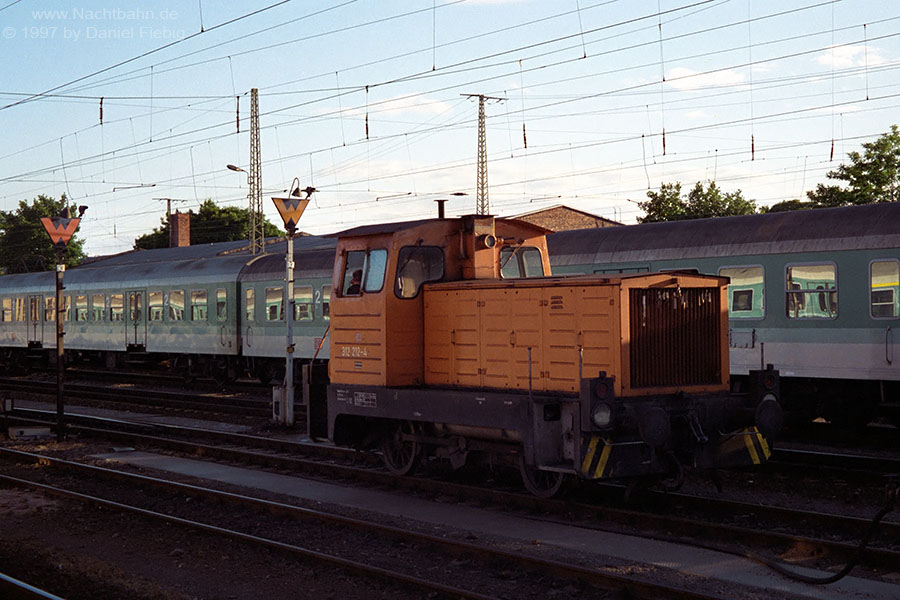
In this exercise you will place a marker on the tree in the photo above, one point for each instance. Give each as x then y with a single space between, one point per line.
24 243
788 205
664 205
211 223
873 176
700 203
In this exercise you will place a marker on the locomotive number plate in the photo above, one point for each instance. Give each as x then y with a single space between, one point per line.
354 351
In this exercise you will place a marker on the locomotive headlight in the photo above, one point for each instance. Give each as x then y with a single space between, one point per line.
601 415
769 416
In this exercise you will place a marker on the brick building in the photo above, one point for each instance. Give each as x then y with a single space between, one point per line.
564 218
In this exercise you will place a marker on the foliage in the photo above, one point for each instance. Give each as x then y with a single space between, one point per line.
788 205
211 223
873 176
25 245
668 204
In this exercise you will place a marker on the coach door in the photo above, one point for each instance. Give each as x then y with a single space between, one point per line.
136 326
35 323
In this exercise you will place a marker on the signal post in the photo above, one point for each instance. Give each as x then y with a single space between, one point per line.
290 209
61 229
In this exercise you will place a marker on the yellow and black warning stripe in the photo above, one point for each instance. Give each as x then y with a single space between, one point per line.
594 465
757 446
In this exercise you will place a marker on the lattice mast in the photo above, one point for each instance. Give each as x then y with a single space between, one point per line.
482 204
257 218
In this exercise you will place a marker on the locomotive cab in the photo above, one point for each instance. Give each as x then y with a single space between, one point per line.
450 336
377 317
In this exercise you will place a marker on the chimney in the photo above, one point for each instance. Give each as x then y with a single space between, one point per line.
179 230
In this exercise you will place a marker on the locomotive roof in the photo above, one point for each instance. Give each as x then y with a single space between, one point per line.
825 229
382 228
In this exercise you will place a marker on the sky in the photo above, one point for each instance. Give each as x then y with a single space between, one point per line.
589 103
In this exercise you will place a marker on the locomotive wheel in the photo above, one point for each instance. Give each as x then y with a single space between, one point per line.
543 484
400 456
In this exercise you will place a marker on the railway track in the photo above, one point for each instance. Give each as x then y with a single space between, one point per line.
13 589
120 395
772 530
481 566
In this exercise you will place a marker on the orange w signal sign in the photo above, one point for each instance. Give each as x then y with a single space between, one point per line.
290 210
60 229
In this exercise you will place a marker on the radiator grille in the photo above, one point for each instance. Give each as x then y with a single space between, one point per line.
675 337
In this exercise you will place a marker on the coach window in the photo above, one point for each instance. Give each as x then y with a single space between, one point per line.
811 291
417 265
81 308
34 309
274 300
303 303
746 292
20 309
326 302
176 305
156 306
221 304
98 307
884 279
116 307
520 261
50 308
692 270
7 313
250 304
198 305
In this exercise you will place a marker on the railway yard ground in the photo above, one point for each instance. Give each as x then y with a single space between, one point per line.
78 550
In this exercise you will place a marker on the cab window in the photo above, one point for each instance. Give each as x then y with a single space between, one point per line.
364 272
811 291
520 261
417 265
884 279
746 292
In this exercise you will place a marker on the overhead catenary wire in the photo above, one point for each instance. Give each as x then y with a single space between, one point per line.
535 111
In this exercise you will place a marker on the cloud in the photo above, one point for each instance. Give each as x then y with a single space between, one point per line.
845 57
682 78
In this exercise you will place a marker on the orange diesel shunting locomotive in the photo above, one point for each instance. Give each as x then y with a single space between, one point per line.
449 336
